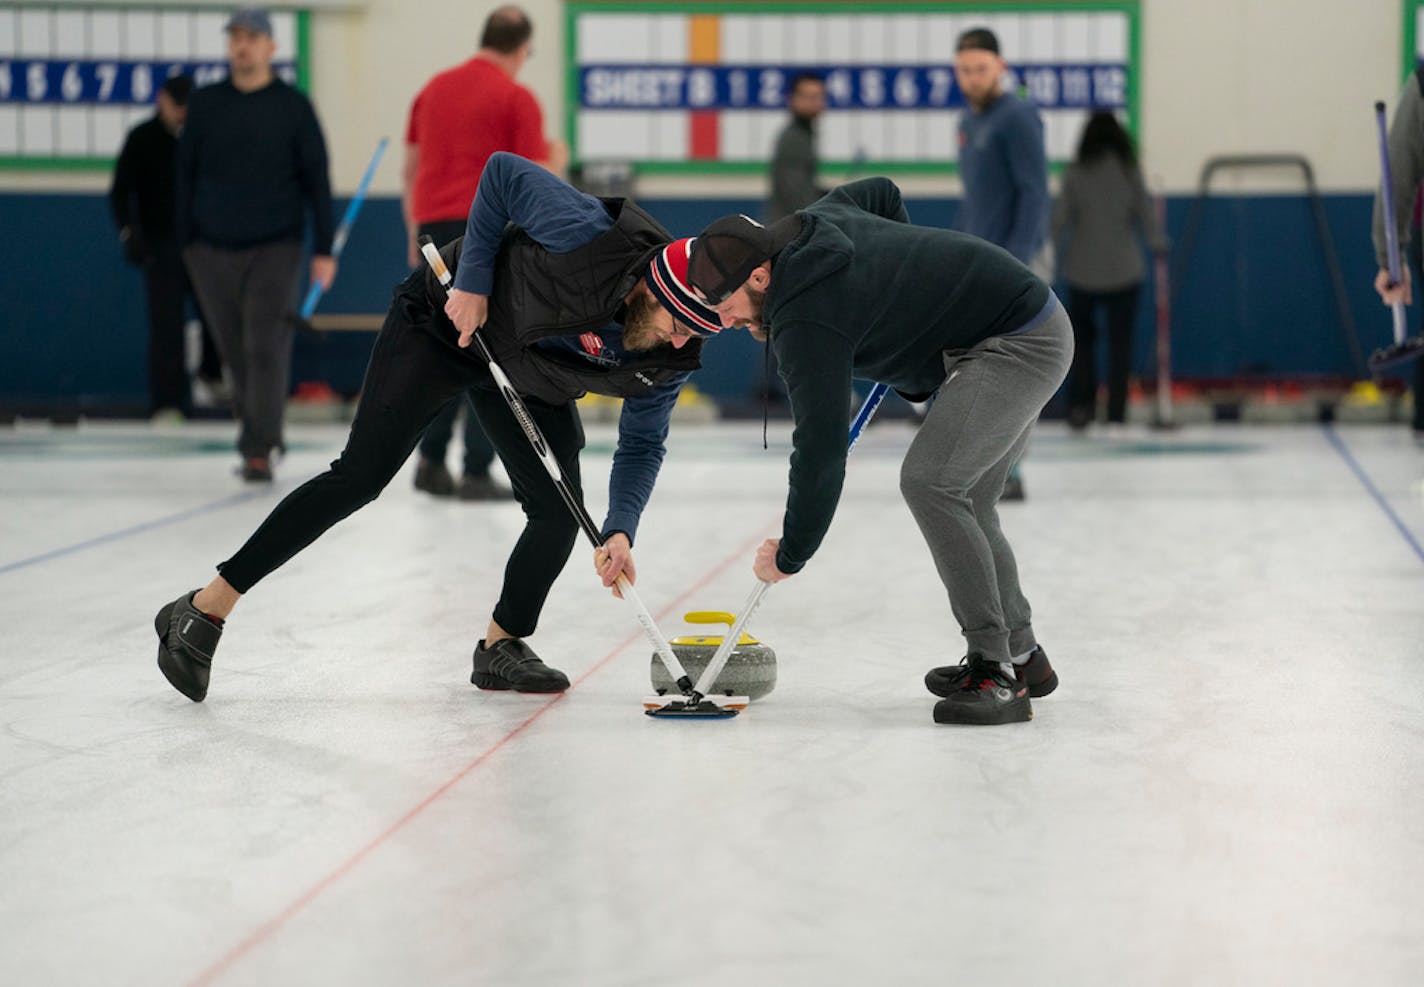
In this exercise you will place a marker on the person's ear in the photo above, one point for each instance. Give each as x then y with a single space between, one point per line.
761 277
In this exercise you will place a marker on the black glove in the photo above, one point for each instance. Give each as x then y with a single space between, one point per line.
135 247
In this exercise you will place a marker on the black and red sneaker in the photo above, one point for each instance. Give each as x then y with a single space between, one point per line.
987 696
1037 672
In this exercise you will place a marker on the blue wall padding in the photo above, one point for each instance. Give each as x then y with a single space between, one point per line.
1255 297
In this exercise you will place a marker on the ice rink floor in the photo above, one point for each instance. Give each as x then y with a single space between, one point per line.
1227 788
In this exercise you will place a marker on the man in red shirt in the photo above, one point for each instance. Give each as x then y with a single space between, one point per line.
462 116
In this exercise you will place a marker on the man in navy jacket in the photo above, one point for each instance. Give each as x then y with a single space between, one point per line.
1002 163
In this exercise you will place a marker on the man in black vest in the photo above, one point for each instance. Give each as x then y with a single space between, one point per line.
571 293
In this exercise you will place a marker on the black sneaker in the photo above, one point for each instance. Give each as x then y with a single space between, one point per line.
1037 672
434 478
988 697
482 487
512 664
187 638
1013 488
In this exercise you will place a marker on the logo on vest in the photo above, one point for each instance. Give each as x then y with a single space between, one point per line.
595 350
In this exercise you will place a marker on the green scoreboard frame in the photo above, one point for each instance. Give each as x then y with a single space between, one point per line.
699 88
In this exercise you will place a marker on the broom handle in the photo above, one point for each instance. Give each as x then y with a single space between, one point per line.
1391 235
561 483
338 241
724 650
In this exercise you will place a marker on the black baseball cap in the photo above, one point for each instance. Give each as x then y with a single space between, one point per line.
978 39
253 19
178 87
726 253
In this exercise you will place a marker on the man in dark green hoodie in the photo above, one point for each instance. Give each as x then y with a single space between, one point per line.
848 288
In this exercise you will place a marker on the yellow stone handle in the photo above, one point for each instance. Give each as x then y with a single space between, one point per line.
718 617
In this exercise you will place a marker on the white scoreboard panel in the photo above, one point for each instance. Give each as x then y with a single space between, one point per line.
73 80
701 86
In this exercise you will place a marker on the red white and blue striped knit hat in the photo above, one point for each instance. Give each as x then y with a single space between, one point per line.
667 280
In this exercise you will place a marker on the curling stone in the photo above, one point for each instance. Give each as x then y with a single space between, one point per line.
750 670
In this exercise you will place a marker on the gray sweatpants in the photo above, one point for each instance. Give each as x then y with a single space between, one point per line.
248 296
954 472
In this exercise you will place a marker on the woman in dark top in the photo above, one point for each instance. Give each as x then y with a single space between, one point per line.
1099 221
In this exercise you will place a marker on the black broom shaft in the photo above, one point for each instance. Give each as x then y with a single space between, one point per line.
535 436
561 483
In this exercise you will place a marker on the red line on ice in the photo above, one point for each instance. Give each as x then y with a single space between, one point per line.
270 927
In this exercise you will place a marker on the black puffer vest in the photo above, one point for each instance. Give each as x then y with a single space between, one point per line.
539 295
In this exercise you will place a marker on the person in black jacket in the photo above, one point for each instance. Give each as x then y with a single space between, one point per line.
571 294
847 288
794 161
250 161
141 201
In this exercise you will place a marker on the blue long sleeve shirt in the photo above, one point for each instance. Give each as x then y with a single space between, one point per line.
1004 167
560 218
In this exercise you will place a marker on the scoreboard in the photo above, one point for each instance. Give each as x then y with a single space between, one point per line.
73 80
701 86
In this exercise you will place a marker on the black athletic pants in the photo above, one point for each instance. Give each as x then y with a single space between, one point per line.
166 281
479 454
411 376
1121 310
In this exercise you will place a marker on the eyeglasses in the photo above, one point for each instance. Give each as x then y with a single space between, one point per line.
680 331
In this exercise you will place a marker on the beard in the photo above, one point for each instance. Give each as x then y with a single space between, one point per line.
754 324
640 332
981 98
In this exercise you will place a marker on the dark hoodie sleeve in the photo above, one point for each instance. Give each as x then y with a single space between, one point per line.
316 180
121 189
816 363
879 196
186 168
